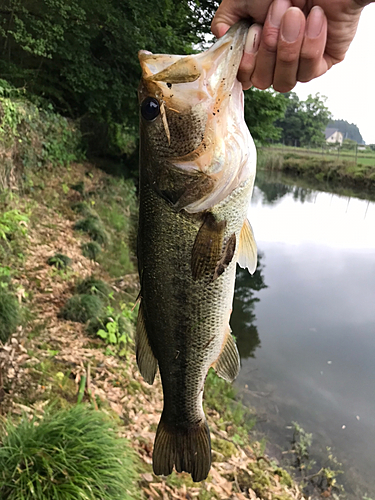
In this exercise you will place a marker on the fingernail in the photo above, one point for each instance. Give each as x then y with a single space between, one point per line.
253 39
315 22
278 9
291 25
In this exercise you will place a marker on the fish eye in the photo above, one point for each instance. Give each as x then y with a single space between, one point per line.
150 108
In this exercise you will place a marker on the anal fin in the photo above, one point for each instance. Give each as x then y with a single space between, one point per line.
227 365
207 247
247 248
147 363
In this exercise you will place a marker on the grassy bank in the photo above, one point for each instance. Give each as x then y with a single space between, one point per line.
335 171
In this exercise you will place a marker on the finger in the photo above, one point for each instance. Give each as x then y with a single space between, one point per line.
262 76
288 50
231 11
247 64
312 63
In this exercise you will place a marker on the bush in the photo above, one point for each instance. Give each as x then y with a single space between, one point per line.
72 454
93 286
81 207
93 226
9 315
81 308
60 261
91 250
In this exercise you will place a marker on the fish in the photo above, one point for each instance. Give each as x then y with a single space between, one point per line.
196 176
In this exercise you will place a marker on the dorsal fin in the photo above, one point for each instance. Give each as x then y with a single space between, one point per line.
247 248
227 365
147 363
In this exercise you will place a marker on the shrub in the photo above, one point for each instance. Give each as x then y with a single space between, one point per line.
60 261
93 226
91 250
81 207
9 315
93 286
81 308
71 454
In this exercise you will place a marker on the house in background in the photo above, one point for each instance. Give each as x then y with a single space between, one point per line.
333 136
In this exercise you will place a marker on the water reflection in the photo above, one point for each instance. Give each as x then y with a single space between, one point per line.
305 323
243 317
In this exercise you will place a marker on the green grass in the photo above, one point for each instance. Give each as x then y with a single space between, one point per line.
9 315
93 226
81 308
60 261
91 250
93 286
71 454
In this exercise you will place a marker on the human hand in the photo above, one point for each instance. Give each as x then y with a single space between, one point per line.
292 40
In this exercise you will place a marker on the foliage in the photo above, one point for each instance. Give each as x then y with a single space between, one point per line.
301 443
32 136
71 454
91 250
12 222
9 314
94 286
93 226
60 261
262 109
304 121
81 308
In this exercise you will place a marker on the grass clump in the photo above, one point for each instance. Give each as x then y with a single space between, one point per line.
94 227
93 286
83 208
60 261
9 315
71 454
91 250
81 308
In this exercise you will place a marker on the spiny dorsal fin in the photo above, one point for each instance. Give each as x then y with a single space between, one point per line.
207 247
147 363
247 248
226 258
227 365
188 448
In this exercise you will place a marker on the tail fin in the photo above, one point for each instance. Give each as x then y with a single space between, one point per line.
188 449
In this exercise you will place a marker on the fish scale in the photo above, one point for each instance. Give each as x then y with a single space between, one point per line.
187 257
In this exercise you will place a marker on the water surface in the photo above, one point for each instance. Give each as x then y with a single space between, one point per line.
305 324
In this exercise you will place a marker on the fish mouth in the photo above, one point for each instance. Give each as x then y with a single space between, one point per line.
204 73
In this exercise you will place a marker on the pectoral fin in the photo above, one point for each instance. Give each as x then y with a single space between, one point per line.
227 256
147 363
207 247
247 252
227 365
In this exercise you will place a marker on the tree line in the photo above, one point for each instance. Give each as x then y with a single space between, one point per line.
81 57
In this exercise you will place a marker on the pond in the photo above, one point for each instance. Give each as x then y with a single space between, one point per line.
305 325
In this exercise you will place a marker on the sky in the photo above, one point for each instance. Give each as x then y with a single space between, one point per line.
350 85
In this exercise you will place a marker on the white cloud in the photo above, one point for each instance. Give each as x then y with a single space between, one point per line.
350 85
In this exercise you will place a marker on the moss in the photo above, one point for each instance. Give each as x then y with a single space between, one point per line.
91 250
81 308
60 261
9 315
224 447
93 286
284 477
93 226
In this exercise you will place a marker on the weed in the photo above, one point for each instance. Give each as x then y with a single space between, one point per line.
81 308
12 222
9 314
301 443
94 286
94 227
91 250
70 454
83 208
60 261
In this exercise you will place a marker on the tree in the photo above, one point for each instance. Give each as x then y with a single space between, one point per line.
262 109
304 121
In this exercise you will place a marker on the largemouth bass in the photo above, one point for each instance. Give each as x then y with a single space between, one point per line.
197 169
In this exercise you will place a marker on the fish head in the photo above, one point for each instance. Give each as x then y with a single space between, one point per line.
192 124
